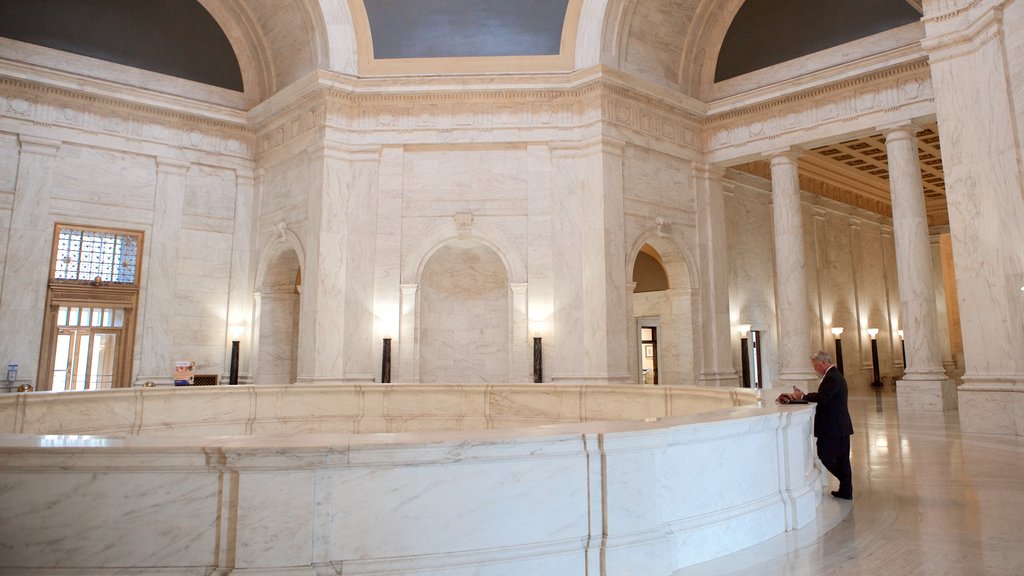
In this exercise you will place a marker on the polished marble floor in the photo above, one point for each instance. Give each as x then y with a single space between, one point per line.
928 500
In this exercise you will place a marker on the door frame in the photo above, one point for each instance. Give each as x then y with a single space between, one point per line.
94 297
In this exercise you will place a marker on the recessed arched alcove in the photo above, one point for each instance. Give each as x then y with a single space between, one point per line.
464 315
278 319
662 304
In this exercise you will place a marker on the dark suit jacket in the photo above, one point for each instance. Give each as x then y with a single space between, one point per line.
832 416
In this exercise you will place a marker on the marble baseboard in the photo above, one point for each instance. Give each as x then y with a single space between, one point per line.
991 409
929 395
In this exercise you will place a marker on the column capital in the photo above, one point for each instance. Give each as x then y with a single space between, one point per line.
911 128
787 155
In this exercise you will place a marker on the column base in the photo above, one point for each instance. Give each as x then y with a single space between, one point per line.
927 395
992 408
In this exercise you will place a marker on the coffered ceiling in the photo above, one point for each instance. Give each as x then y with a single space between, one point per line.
856 172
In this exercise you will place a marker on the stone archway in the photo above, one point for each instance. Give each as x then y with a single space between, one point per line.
674 305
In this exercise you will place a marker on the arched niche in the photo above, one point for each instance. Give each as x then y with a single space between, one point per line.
464 315
278 288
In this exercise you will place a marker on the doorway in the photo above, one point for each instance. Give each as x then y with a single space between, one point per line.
647 329
87 347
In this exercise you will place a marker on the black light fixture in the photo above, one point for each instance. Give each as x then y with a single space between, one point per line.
233 375
538 361
236 331
385 365
744 329
837 331
903 347
877 380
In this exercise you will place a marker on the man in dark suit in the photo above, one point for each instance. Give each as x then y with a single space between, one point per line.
832 425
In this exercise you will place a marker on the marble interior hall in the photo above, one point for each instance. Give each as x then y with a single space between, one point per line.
313 179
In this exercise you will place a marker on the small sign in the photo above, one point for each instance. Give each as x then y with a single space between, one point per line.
184 373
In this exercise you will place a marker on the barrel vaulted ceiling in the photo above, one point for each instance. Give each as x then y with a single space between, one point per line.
675 44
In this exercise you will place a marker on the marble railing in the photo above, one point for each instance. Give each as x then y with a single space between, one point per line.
506 480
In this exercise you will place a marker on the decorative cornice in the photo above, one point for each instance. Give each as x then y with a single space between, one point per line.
82 111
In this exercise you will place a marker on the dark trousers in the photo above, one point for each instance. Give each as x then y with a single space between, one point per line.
834 453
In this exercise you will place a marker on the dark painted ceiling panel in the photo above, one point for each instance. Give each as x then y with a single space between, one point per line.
768 32
464 28
174 37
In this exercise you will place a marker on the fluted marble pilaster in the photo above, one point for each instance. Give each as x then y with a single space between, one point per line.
924 385
790 273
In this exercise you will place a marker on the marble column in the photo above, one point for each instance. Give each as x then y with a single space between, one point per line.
715 341
791 274
924 385
975 60
157 362
27 262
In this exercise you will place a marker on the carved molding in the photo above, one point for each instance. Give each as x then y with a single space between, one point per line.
832 110
51 107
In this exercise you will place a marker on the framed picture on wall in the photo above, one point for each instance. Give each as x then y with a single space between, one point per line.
648 350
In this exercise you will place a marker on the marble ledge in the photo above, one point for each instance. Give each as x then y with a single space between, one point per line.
81 443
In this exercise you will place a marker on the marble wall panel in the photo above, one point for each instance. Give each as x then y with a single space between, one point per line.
483 180
283 192
109 178
658 178
82 519
498 494
275 518
210 192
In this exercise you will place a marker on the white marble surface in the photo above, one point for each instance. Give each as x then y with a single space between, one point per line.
499 502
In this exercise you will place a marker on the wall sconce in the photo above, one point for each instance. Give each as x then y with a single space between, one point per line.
837 332
538 361
385 362
877 380
744 329
903 346
236 331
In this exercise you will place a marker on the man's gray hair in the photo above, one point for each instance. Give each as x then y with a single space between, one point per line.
821 356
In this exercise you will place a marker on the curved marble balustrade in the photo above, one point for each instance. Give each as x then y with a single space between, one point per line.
467 480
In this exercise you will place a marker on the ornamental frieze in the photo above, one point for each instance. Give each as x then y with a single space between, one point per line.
857 105
94 116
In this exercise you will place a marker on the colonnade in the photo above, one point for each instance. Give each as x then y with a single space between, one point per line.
924 385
